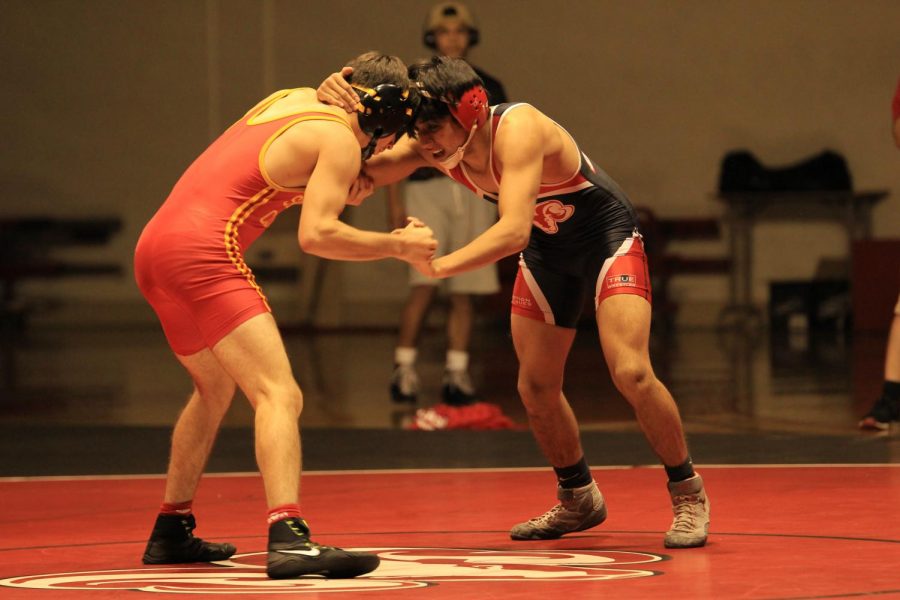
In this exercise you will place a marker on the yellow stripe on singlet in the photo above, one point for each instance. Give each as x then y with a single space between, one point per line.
307 111
282 129
254 115
232 238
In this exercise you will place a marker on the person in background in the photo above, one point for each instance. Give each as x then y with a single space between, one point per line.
887 407
448 208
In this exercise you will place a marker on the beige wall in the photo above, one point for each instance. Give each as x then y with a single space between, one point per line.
106 102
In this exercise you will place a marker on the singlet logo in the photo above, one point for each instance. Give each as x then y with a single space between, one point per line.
621 281
522 301
548 215
401 568
267 219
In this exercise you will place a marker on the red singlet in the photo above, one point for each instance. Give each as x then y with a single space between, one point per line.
189 261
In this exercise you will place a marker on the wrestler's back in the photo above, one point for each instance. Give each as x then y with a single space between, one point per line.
228 185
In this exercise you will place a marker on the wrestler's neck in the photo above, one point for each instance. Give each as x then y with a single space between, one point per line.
478 151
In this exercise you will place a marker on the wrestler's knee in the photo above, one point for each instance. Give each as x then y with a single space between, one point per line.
216 393
538 393
283 395
634 378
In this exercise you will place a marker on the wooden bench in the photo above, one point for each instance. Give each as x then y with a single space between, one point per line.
27 244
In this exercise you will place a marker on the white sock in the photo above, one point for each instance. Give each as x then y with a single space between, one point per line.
457 360
405 356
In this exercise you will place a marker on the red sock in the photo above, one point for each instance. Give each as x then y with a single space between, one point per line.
285 511
181 509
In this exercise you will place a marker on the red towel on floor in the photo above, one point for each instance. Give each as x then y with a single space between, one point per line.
479 416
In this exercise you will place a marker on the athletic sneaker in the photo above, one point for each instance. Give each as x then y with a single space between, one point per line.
293 554
691 507
404 384
172 541
578 509
457 389
881 414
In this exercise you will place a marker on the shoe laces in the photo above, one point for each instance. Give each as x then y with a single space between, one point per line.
189 524
312 545
688 511
549 516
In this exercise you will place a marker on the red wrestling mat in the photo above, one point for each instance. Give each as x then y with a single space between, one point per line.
777 532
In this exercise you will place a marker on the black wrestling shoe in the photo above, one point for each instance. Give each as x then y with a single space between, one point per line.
293 554
172 542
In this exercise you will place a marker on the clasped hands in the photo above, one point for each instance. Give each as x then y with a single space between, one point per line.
419 246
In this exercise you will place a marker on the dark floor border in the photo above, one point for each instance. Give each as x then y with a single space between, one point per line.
96 450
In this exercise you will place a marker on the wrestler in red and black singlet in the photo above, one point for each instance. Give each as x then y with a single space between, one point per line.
584 240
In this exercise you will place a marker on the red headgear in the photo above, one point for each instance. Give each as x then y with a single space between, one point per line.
472 108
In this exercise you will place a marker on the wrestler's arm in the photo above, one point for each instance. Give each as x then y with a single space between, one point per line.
322 233
390 166
518 149
396 163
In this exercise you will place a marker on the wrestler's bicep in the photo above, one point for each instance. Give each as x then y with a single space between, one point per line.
395 164
326 193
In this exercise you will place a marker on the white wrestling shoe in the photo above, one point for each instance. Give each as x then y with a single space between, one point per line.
578 509
691 507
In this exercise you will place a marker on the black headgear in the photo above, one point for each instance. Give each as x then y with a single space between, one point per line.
386 110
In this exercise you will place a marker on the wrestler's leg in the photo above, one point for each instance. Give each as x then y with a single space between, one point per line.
172 539
253 355
542 350
624 323
197 426
624 326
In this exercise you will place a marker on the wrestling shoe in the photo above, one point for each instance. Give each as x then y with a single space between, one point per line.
578 509
293 554
881 414
172 541
404 384
457 388
691 507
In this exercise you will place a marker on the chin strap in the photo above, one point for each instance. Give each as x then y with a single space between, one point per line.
454 159
369 149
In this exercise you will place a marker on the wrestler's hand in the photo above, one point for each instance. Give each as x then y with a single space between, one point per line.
336 91
437 268
417 242
415 221
361 189
424 268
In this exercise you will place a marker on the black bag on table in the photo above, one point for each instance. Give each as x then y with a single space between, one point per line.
742 172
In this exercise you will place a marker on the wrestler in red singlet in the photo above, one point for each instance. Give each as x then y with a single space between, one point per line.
189 260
